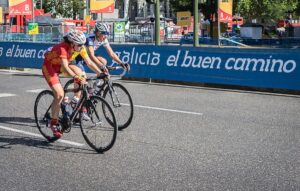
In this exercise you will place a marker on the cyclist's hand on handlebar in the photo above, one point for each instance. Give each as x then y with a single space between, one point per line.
79 79
102 76
104 69
126 66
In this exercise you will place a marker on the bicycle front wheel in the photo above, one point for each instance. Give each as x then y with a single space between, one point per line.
121 102
42 114
97 131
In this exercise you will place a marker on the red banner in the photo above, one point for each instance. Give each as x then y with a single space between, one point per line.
225 17
20 7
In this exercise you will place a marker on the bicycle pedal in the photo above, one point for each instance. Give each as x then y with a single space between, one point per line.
67 130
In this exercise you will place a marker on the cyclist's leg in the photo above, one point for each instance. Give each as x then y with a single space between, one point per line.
102 60
79 70
80 64
58 97
53 81
58 93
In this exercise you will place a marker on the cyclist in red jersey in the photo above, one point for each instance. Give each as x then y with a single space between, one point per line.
56 62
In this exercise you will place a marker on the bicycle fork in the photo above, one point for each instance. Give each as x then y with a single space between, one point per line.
114 96
92 110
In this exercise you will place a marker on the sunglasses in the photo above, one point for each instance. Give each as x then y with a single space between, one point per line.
104 33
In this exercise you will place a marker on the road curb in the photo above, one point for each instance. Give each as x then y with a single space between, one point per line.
172 82
219 86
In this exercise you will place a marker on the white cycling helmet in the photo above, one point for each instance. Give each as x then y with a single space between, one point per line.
76 36
102 27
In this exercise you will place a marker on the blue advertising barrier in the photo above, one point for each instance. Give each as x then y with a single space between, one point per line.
267 68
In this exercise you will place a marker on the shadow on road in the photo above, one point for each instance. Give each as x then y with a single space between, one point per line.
23 121
6 142
9 141
28 74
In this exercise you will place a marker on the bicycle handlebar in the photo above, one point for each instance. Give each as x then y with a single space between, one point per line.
110 68
101 76
83 86
114 67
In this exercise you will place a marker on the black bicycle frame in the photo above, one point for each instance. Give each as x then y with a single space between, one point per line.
77 108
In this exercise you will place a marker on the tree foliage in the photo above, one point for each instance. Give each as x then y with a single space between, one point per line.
207 7
269 10
182 5
64 8
297 11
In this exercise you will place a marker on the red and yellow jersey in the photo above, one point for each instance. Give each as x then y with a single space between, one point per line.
62 51
83 53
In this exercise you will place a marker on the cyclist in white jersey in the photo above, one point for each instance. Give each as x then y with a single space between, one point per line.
93 42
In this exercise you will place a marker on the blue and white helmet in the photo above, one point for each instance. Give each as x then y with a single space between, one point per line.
102 27
76 36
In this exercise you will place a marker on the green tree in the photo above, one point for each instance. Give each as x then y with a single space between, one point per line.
78 6
64 8
207 7
297 11
235 4
268 10
182 5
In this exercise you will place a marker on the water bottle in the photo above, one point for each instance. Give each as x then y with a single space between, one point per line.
74 102
67 109
91 91
65 102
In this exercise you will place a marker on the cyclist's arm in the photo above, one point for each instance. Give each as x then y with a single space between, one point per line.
84 54
65 65
92 65
112 54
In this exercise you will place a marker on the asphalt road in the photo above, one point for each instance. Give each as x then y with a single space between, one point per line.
181 138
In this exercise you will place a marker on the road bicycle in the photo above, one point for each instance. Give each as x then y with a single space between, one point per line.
99 132
115 94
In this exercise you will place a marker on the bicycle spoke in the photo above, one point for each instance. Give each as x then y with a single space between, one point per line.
42 109
120 99
97 132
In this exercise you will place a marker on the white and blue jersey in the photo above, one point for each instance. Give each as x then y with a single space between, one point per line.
90 41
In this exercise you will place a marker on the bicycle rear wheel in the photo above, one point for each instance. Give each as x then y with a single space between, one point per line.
98 132
122 104
42 114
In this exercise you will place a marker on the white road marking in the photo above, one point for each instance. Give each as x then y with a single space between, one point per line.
8 72
6 95
71 143
141 106
38 135
164 109
35 91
